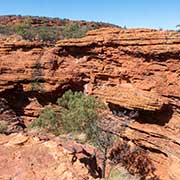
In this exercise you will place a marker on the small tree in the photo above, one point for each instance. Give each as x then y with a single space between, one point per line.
76 113
24 29
79 112
104 141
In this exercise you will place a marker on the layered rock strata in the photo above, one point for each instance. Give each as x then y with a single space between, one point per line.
133 69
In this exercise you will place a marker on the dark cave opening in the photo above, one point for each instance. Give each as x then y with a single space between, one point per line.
143 116
161 117
18 99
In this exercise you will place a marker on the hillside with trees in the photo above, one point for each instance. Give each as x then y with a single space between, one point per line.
46 29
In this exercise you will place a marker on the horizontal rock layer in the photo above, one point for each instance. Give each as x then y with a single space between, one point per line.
131 98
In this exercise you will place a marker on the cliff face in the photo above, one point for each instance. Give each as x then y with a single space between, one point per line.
133 69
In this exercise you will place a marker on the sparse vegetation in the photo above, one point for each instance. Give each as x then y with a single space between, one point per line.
136 161
36 85
76 113
74 30
46 31
22 29
3 127
120 174
48 121
6 30
79 112
104 142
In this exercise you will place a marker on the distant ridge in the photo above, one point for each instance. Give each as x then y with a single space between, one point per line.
46 29
48 21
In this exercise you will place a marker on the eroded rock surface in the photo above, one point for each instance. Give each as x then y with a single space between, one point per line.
9 122
142 64
25 157
129 97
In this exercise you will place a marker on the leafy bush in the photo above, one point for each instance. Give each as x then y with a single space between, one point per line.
77 113
45 33
3 127
48 121
6 30
74 30
136 162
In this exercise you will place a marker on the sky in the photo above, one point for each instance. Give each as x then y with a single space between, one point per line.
156 14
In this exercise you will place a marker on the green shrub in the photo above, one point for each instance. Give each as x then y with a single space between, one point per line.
48 121
48 29
76 113
23 29
74 30
45 33
79 112
3 127
51 34
6 30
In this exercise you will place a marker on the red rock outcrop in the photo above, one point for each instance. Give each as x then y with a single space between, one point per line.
134 69
26 157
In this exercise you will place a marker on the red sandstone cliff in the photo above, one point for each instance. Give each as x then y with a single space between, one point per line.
132 69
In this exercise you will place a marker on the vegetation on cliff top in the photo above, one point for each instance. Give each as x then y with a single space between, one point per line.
46 29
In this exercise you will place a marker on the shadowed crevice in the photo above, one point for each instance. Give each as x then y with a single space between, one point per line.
143 116
159 57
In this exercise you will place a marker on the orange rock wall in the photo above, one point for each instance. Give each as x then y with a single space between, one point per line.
134 69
